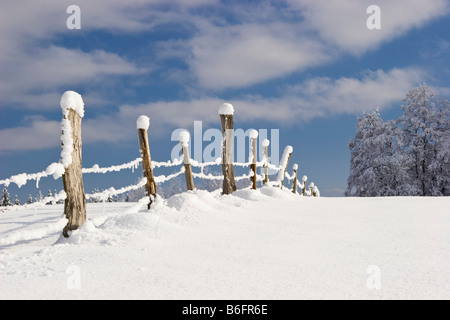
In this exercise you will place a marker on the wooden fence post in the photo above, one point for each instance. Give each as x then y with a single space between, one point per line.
304 178
143 123
226 118
265 145
283 164
253 157
184 141
75 202
295 168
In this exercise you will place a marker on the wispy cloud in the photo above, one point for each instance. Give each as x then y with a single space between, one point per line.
343 23
239 56
316 97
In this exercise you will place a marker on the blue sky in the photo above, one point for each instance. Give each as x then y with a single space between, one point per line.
307 68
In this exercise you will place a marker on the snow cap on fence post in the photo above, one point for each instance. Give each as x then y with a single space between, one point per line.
184 137
143 122
72 100
253 134
226 109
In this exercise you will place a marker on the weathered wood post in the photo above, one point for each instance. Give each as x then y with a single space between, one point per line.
184 138
226 111
294 188
304 178
142 124
283 164
253 157
265 145
75 203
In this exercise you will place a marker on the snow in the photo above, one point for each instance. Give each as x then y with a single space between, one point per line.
295 166
253 134
184 138
283 162
264 244
265 143
304 178
66 143
55 169
226 109
19 179
72 100
143 122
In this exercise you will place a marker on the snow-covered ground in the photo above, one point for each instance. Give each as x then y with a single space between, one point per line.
265 244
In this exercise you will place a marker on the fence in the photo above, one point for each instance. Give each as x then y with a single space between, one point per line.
184 162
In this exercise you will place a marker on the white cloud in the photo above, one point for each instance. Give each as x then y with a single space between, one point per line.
313 98
236 56
353 95
33 70
343 23
314 32
48 69
40 134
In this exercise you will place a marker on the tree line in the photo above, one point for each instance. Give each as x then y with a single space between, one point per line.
404 157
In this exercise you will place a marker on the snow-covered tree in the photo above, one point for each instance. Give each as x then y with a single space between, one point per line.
30 199
6 200
409 156
49 194
425 141
39 197
16 200
95 199
370 171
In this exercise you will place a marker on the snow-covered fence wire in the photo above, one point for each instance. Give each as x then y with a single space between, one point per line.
184 162
24 178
